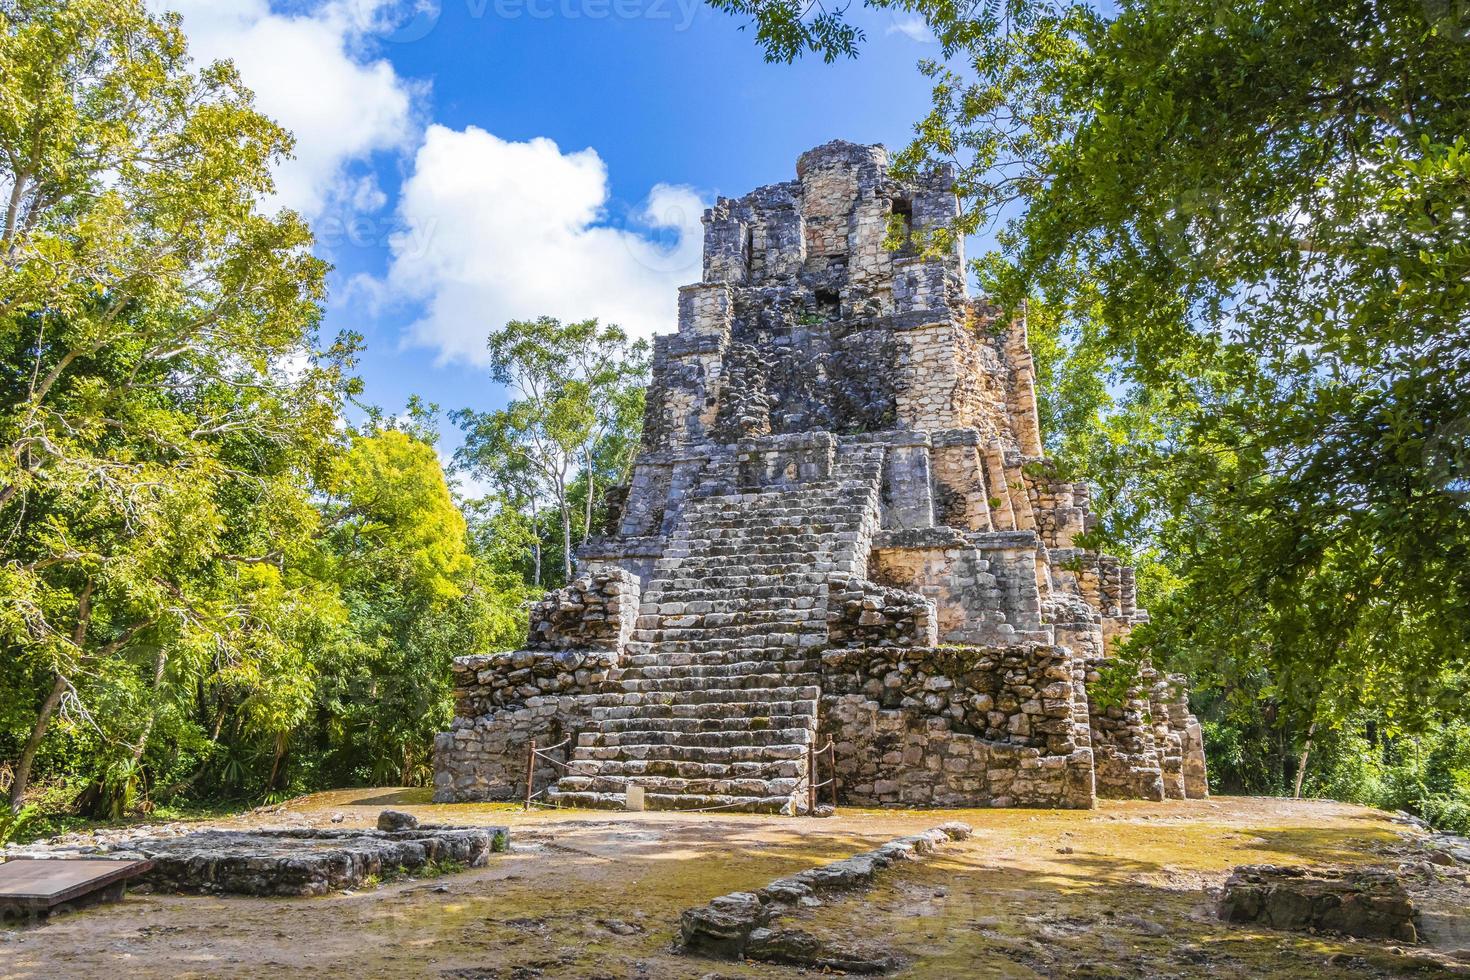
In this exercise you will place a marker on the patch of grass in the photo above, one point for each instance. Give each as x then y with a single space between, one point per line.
49 813
394 873
438 868
500 843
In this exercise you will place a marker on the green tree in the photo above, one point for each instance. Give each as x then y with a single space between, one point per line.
576 390
1253 217
161 403
399 560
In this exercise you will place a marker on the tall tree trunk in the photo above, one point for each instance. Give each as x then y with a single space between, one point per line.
536 541
159 662
566 528
566 541
1301 765
591 493
270 783
33 744
48 707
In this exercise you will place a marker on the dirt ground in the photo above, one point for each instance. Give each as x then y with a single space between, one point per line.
1126 890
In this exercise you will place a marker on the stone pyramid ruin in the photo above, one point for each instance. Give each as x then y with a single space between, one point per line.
841 525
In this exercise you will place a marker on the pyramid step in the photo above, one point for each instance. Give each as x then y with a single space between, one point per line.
730 576
802 692
665 801
704 710
733 746
668 725
760 636
722 655
740 682
776 607
732 786
659 668
596 742
749 769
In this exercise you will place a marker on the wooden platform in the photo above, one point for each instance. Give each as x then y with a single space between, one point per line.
38 886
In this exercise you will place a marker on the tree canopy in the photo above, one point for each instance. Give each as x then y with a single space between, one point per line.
1240 233
210 582
574 417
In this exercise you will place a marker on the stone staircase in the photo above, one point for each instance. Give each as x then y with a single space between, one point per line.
720 681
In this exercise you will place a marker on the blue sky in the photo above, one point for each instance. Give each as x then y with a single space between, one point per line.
469 160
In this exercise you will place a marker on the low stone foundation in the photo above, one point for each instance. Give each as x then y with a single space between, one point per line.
1365 904
739 925
296 862
958 726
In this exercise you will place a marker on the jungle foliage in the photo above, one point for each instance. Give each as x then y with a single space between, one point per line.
213 586
1240 233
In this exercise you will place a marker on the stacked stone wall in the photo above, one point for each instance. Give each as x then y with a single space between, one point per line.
865 614
490 682
987 726
1125 751
593 612
484 757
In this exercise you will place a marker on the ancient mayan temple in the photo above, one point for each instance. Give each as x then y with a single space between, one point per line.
841 523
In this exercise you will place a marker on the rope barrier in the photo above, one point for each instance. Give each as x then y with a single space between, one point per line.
811 780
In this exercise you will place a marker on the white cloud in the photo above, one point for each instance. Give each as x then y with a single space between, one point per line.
495 230
913 28
314 73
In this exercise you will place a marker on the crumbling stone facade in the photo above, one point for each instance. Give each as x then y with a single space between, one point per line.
841 524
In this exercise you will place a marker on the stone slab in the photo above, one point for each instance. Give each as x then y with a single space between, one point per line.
1364 904
295 862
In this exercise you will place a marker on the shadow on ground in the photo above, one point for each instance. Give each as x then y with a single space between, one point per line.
1122 891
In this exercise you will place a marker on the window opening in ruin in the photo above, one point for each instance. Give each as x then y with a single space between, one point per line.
903 210
829 303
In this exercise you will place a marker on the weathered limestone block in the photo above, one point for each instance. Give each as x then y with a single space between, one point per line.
1365 904
864 614
391 820
788 459
593 612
